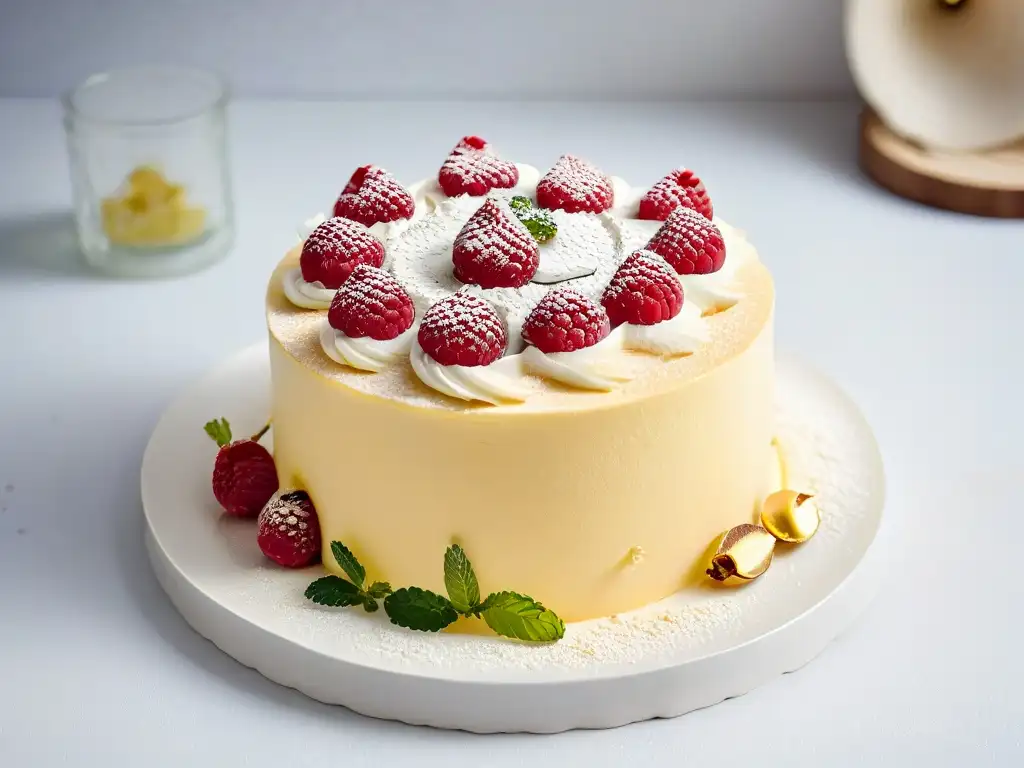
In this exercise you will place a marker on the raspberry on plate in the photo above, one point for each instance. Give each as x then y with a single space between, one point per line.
495 249
371 303
463 329
689 242
474 169
244 473
288 530
333 250
643 291
575 186
681 187
564 321
372 196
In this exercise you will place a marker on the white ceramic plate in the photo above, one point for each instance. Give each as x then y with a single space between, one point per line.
689 651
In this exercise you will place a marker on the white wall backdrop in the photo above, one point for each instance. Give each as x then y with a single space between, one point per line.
439 48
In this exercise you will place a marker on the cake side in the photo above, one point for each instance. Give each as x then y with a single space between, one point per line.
593 503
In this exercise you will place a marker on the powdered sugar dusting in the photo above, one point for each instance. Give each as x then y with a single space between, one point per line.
287 526
371 303
681 187
495 248
585 245
463 330
334 248
827 450
376 197
473 168
574 185
338 234
690 243
565 321
644 291
421 260
640 264
636 233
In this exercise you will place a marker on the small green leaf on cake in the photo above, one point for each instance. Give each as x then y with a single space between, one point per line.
370 604
348 563
523 618
419 609
379 589
537 220
460 581
541 227
219 430
520 203
334 591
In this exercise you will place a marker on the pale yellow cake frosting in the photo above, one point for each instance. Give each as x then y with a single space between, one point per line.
593 503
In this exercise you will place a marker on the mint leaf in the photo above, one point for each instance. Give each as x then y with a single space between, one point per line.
520 203
537 220
487 603
219 430
369 603
379 589
333 591
348 563
513 615
419 609
541 226
460 581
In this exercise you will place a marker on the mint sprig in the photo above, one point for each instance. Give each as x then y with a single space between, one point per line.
337 592
379 590
520 203
334 591
420 609
348 563
537 220
460 581
514 615
219 431
509 614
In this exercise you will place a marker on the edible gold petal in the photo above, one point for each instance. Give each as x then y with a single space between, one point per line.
790 516
745 552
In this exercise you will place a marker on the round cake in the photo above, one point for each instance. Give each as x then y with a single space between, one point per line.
569 377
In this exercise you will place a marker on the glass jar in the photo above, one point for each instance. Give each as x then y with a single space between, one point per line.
149 170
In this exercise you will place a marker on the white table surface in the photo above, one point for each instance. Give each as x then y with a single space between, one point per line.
916 313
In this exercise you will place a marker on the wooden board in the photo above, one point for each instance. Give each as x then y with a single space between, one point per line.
981 183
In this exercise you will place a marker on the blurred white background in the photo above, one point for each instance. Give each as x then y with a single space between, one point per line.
912 311
639 49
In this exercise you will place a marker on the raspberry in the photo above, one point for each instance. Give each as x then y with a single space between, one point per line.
371 303
373 195
288 530
643 291
564 321
333 250
575 186
689 242
244 474
462 329
495 249
472 168
681 187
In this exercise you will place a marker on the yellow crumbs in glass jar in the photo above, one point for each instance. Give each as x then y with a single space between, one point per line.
151 212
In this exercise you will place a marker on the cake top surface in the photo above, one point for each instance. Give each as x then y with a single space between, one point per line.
683 290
